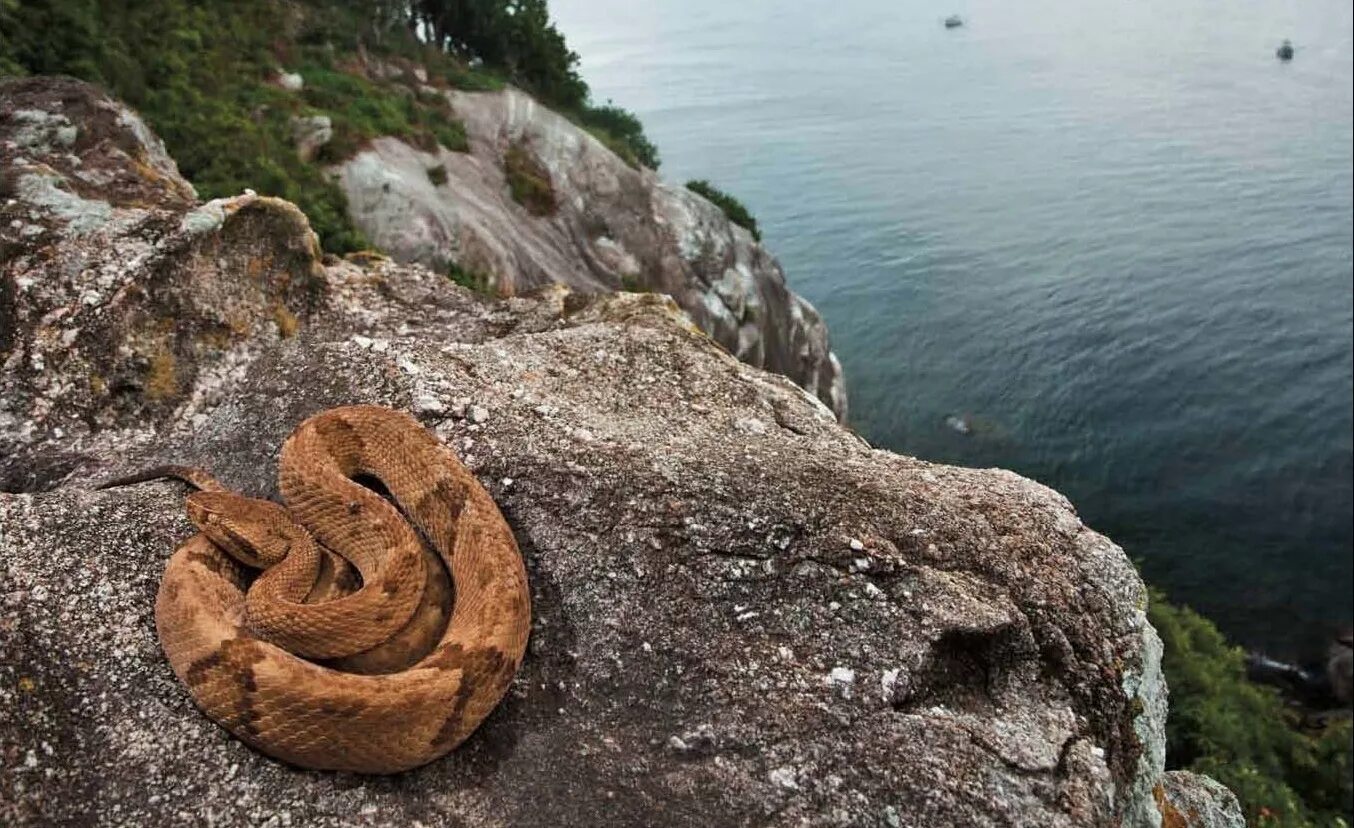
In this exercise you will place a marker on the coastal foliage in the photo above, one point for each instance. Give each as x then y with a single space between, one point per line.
204 76
528 180
470 279
517 39
1244 735
732 207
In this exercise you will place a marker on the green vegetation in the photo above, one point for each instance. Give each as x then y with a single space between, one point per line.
438 175
1244 735
469 279
517 39
732 207
621 131
202 75
528 180
362 110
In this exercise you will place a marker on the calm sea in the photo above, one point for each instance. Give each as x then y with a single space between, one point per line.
1113 239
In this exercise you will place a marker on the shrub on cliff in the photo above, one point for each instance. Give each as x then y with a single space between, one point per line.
528 180
198 73
517 39
1243 735
621 131
732 207
201 75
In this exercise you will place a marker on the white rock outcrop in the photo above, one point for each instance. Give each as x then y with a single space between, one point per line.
614 228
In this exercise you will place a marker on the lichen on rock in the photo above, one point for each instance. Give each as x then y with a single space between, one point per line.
744 614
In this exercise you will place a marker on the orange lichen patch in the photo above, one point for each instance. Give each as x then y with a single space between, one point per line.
366 257
256 268
238 322
26 684
1170 815
146 171
215 338
97 385
287 323
161 380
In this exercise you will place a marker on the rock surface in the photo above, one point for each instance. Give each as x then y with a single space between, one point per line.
743 614
1189 800
310 133
615 228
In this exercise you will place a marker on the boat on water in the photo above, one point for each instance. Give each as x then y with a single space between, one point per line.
1285 50
954 21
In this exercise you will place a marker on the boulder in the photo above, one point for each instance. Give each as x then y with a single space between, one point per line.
613 227
1188 800
743 613
310 132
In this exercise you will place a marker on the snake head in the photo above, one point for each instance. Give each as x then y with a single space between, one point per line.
257 533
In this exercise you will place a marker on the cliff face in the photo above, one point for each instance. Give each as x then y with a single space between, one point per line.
744 615
611 228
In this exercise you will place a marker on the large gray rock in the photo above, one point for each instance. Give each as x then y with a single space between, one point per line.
743 613
1188 800
614 228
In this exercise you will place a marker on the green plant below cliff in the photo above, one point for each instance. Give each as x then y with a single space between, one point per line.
732 207
1243 734
528 180
621 131
470 279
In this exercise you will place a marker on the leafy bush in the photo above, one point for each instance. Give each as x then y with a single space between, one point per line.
621 131
528 180
361 110
200 74
515 39
1243 734
732 207
469 279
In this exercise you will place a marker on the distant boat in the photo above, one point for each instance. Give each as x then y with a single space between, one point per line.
954 21
1285 50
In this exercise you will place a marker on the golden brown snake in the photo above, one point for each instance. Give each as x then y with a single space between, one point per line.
397 684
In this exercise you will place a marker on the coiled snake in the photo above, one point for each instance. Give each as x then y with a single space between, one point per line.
305 666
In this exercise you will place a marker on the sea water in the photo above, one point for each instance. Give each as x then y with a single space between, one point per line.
1105 245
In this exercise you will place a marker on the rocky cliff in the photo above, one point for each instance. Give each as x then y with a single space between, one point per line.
744 614
605 227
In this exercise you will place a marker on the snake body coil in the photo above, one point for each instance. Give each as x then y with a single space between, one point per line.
308 668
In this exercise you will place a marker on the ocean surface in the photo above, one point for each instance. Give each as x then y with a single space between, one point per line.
1113 239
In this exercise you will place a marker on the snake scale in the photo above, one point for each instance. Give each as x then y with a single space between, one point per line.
304 664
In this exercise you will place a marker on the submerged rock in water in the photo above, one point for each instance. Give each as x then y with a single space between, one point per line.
744 614
959 424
